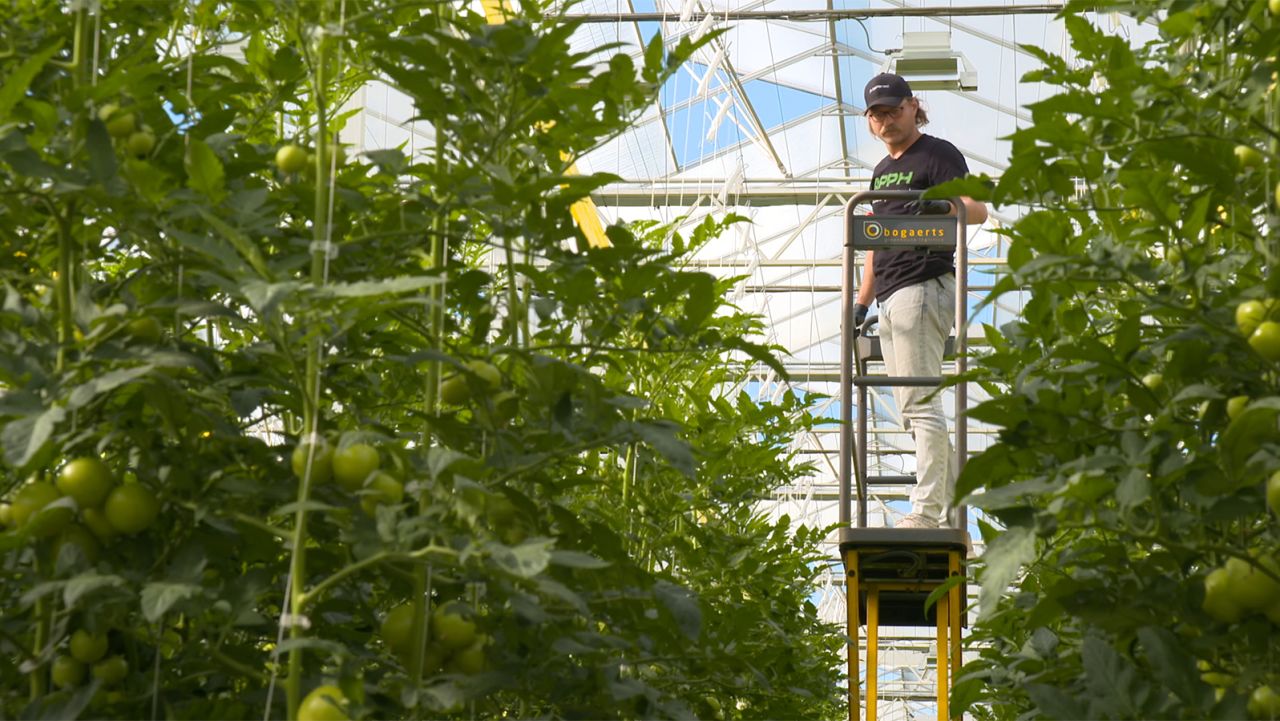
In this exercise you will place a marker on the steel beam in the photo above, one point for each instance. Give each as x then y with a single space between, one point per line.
819 14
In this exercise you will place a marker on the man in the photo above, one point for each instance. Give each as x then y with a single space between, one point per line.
916 290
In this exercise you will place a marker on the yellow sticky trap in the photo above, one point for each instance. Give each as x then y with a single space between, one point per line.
588 218
495 11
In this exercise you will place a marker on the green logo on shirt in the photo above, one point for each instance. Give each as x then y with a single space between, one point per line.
894 179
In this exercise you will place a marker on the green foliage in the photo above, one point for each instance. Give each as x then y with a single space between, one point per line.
1114 497
594 512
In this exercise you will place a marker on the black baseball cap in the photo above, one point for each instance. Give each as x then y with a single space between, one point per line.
886 89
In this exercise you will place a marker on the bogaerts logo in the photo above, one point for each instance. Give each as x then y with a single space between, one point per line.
873 230
908 233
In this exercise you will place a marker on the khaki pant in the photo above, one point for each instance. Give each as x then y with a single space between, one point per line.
915 323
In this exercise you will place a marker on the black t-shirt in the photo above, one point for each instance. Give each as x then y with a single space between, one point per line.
928 162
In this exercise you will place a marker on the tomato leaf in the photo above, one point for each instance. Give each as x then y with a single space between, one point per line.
85 393
373 288
1111 678
102 156
577 559
242 243
62 705
157 598
88 583
683 605
526 560
23 438
1173 665
661 435
1244 437
1054 703
1002 561
204 171
15 86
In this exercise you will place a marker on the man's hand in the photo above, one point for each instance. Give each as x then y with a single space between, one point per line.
859 315
929 207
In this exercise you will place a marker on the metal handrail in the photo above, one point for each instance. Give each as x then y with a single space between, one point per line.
847 335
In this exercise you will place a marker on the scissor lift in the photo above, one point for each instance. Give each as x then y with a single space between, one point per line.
891 572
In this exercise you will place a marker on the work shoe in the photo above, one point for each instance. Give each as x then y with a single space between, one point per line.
916 520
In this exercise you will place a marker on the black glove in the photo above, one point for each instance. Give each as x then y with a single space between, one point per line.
929 207
859 315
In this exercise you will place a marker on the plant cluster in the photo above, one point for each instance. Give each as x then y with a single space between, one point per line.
1137 399
326 435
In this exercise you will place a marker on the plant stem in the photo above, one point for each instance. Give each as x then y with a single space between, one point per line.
375 559
311 422
62 289
42 612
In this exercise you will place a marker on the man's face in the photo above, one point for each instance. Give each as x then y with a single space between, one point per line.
893 124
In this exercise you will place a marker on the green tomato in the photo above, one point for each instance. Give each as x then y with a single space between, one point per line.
381 488
397 628
321 461
451 629
455 390
140 143
145 330
1251 588
1248 156
1218 601
119 124
486 372
1273 493
1236 406
1153 381
1218 679
67 672
470 660
353 464
111 670
96 521
1264 703
28 504
291 159
1249 315
6 515
29 499
324 703
1274 6
88 647
88 480
1266 340
131 508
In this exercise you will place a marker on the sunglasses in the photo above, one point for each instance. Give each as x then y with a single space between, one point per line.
882 115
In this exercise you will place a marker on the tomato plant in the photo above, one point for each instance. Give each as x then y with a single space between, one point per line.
1129 545
224 321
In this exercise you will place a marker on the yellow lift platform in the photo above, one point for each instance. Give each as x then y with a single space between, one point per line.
890 572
